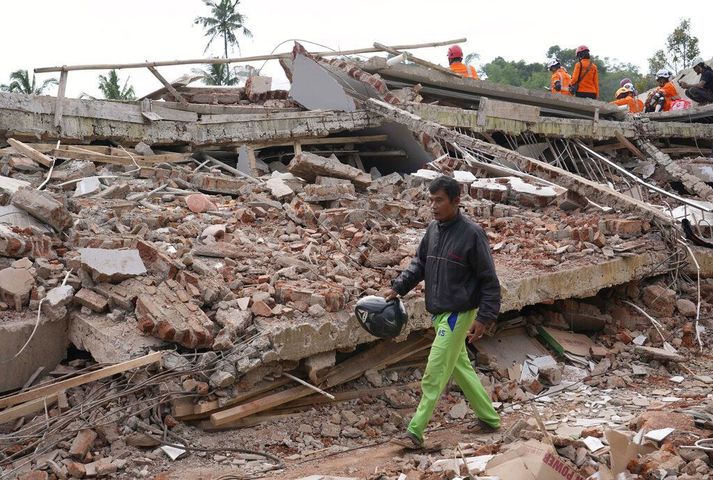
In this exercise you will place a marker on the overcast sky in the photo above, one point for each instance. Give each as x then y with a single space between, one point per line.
40 33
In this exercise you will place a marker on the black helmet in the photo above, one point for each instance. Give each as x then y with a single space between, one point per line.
381 318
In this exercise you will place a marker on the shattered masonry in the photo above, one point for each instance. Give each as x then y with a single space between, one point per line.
239 230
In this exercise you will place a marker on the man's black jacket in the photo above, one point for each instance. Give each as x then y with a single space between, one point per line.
454 258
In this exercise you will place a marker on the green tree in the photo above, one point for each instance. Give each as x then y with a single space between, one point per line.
111 88
223 74
224 21
681 49
20 82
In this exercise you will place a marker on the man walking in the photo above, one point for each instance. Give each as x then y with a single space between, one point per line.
462 294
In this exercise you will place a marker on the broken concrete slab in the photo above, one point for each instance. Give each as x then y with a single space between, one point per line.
278 188
109 341
47 347
15 286
162 312
112 266
87 186
309 166
324 193
56 301
44 207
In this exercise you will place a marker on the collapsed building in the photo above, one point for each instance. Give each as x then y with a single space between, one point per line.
234 228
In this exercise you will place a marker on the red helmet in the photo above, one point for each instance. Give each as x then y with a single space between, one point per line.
581 49
455 52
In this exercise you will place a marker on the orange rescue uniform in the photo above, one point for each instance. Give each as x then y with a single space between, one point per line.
563 77
589 81
670 94
635 105
464 70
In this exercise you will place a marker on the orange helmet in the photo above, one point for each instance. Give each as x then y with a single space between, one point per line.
455 52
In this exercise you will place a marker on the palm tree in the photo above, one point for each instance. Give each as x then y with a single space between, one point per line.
223 74
224 21
111 88
20 82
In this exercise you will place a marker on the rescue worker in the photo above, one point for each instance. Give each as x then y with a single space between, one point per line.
701 92
560 80
625 96
627 80
662 98
455 63
463 297
585 78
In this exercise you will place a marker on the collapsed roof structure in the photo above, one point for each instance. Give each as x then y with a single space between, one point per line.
246 221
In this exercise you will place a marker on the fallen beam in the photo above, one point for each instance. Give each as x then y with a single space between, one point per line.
30 152
376 358
594 191
333 53
53 388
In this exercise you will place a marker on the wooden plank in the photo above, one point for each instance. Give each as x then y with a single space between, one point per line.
59 107
425 63
629 146
207 426
344 396
209 407
30 152
53 388
167 84
275 56
78 154
19 411
375 358
62 402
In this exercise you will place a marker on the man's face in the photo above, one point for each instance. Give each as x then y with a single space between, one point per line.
661 81
698 69
442 208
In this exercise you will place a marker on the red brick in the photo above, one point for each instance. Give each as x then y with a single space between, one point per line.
82 443
261 309
91 300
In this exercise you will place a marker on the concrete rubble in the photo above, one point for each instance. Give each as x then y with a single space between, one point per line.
244 272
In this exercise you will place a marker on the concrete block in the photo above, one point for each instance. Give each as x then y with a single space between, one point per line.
47 348
108 341
44 207
113 266
15 286
257 85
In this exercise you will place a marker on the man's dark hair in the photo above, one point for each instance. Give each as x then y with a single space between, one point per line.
447 184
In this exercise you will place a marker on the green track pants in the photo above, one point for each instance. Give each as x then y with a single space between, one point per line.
449 357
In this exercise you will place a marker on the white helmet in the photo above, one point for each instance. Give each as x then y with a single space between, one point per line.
663 73
629 87
552 62
697 61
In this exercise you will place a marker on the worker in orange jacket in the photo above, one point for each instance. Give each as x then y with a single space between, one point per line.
625 96
585 78
560 81
455 62
662 98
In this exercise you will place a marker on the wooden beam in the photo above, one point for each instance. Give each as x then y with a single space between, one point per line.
60 98
18 411
425 63
168 85
375 358
53 388
30 152
208 61
630 146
